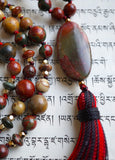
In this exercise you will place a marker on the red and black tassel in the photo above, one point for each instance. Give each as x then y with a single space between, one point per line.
91 144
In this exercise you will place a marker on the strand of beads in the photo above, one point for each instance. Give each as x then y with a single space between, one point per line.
25 88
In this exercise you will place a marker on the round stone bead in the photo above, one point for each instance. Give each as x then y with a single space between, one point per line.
7 122
29 122
57 13
29 71
69 9
25 89
17 139
44 5
10 25
25 23
3 151
1 15
16 11
21 39
9 86
18 108
37 34
42 85
14 68
3 4
45 51
38 104
7 51
27 54
2 102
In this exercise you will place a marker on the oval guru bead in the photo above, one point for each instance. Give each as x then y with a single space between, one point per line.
3 151
11 25
73 51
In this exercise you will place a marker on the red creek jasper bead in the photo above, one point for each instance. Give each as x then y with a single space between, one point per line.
2 102
29 71
27 54
25 89
45 51
57 13
29 122
69 9
14 68
3 151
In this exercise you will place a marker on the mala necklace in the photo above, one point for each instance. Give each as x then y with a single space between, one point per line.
74 54
25 89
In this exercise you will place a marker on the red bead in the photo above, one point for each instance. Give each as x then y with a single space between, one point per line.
16 11
25 89
69 9
57 13
2 102
29 71
29 122
14 68
3 151
45 51
27 54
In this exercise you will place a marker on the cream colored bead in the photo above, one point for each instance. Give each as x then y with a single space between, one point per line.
18 107
20 15
42 85
1 15
2 127
45 61
11 117
45 73
5 91
11 80
30 59
11 7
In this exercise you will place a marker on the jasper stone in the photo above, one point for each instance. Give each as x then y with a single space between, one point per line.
73 51
3 151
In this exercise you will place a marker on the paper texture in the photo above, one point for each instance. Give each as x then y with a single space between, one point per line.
57 130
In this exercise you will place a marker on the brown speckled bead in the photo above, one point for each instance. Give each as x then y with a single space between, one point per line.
29 71
25 23
25 89
3 151
18 108
3 4
2 102
1 15
27 54
10 25
42 85
57 13
14 68
16 11
38 104
45 67
69 9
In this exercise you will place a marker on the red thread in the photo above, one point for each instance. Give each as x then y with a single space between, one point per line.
11 59
13 76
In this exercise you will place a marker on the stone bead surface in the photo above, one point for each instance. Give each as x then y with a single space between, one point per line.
9 86
29 71
73 51
16 11
29 122
7 122
3 4
45 51
42 85
14 68
37 104
45 67
3 151
17 139
27 54
25 89
1 15
21 39
7 51
37 34
69 9
57 13
2 102
11 25
25 23
18 108
44 5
